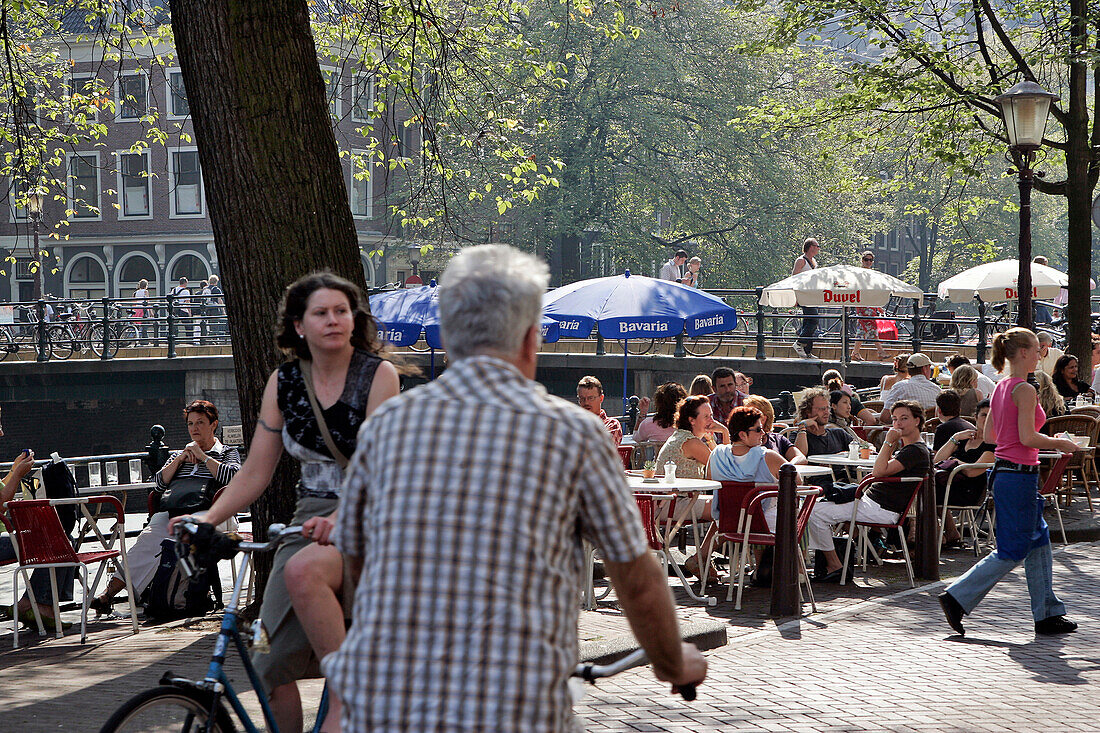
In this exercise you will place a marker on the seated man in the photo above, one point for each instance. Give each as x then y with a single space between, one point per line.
726 395
919 387
205 457
947 410
40 579
590 397
815 437
903 454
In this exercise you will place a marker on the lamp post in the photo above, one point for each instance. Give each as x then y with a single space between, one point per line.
414 261
1025 108
34 210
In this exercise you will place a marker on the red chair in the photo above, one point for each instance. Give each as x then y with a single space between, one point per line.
864 543
750 527
626 453
1053 484
41 542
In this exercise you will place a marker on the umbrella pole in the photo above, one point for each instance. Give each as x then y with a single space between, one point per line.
432 357
844 339
626 397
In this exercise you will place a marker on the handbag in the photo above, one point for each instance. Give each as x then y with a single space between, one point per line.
307 377
887 329
187 494
839 493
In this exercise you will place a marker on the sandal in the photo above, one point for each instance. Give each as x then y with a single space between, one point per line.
691 565
49 623
101 606
955 544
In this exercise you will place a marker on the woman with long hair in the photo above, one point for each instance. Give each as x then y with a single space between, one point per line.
339 367
901 371
964 380
1049 399
834 382
701 385
663 422
1022 533
1065 378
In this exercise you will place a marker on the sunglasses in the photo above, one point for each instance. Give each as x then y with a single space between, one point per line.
868 259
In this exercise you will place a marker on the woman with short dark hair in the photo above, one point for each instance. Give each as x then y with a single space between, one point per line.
1066 381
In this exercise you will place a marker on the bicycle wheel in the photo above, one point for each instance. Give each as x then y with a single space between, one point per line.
703 345
7 344
166 708
60 341
95 339
126 336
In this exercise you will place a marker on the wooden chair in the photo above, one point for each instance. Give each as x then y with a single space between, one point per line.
1083 463
1093 410
874 405
864 543
930 425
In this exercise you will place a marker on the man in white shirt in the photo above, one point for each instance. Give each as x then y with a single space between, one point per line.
1048 355
985 384
919 387
673 269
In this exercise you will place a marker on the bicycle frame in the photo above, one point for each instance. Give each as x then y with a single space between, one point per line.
216 680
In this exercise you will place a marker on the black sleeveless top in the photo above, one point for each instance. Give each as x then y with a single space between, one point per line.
343 418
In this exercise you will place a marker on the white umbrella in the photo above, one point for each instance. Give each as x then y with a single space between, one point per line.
995 282
839 286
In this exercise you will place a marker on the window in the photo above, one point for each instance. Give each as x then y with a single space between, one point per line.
16 192
134 183
133 96
186 195
84 96
362 98
362 204
87 279
178 106
332 90
135 269
191 267
84 185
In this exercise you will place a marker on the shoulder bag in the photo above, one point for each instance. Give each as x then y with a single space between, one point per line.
307 377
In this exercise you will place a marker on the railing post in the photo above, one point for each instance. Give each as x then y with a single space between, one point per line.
982 344
785 565
916 327
106 329
786 401
601 350
40 332
679 352
156 453
171 299
761 354
631 415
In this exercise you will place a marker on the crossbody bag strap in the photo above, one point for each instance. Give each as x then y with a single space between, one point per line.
307 377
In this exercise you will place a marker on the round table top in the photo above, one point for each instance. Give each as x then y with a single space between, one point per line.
805 470
842 459
637 483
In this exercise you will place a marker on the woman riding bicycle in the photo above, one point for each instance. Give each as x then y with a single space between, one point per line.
321 321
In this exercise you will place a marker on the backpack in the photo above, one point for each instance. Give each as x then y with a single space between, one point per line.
172 595
58 483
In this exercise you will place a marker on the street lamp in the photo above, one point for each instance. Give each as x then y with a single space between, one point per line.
414 261
34 210
1025 108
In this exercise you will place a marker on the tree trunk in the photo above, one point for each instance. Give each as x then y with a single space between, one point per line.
273 178
1079 195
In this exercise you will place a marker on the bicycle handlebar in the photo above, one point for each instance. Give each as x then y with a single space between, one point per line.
207 545
591 672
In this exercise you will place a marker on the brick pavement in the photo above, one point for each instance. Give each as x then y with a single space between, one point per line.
891 664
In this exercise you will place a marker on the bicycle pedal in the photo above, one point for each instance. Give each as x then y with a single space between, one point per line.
261 644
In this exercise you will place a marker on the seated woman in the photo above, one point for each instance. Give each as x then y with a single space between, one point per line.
774 441
203 458
40 579
1049 399
746 459
901 371
689 448
964 380
833 382
701 385
966 446
1066 381
903 454
663 422
840 410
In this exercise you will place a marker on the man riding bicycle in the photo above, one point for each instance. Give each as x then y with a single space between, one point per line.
463 516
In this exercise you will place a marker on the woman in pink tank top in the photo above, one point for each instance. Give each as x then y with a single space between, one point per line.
1022 534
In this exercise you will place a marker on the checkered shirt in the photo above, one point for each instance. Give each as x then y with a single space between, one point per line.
467 499
918 387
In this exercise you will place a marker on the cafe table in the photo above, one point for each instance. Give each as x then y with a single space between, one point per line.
686 491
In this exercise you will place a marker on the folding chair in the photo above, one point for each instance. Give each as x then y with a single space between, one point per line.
626 452
967 512
41 542
864 542
1051 486
750 528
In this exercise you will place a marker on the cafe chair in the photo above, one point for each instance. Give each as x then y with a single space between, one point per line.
750 528
1082 463
41 542
645 450
864 543
968 513
626 452
1051 485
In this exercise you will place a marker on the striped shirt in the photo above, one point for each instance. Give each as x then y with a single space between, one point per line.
229 458
467 498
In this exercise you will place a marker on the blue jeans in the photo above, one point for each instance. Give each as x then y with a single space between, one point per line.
1022 535
40 579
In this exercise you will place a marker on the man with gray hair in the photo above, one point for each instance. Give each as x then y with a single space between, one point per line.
463 514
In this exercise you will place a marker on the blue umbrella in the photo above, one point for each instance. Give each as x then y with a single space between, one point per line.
403 315
634 306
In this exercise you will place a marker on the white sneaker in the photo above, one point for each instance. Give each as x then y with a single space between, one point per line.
798 349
